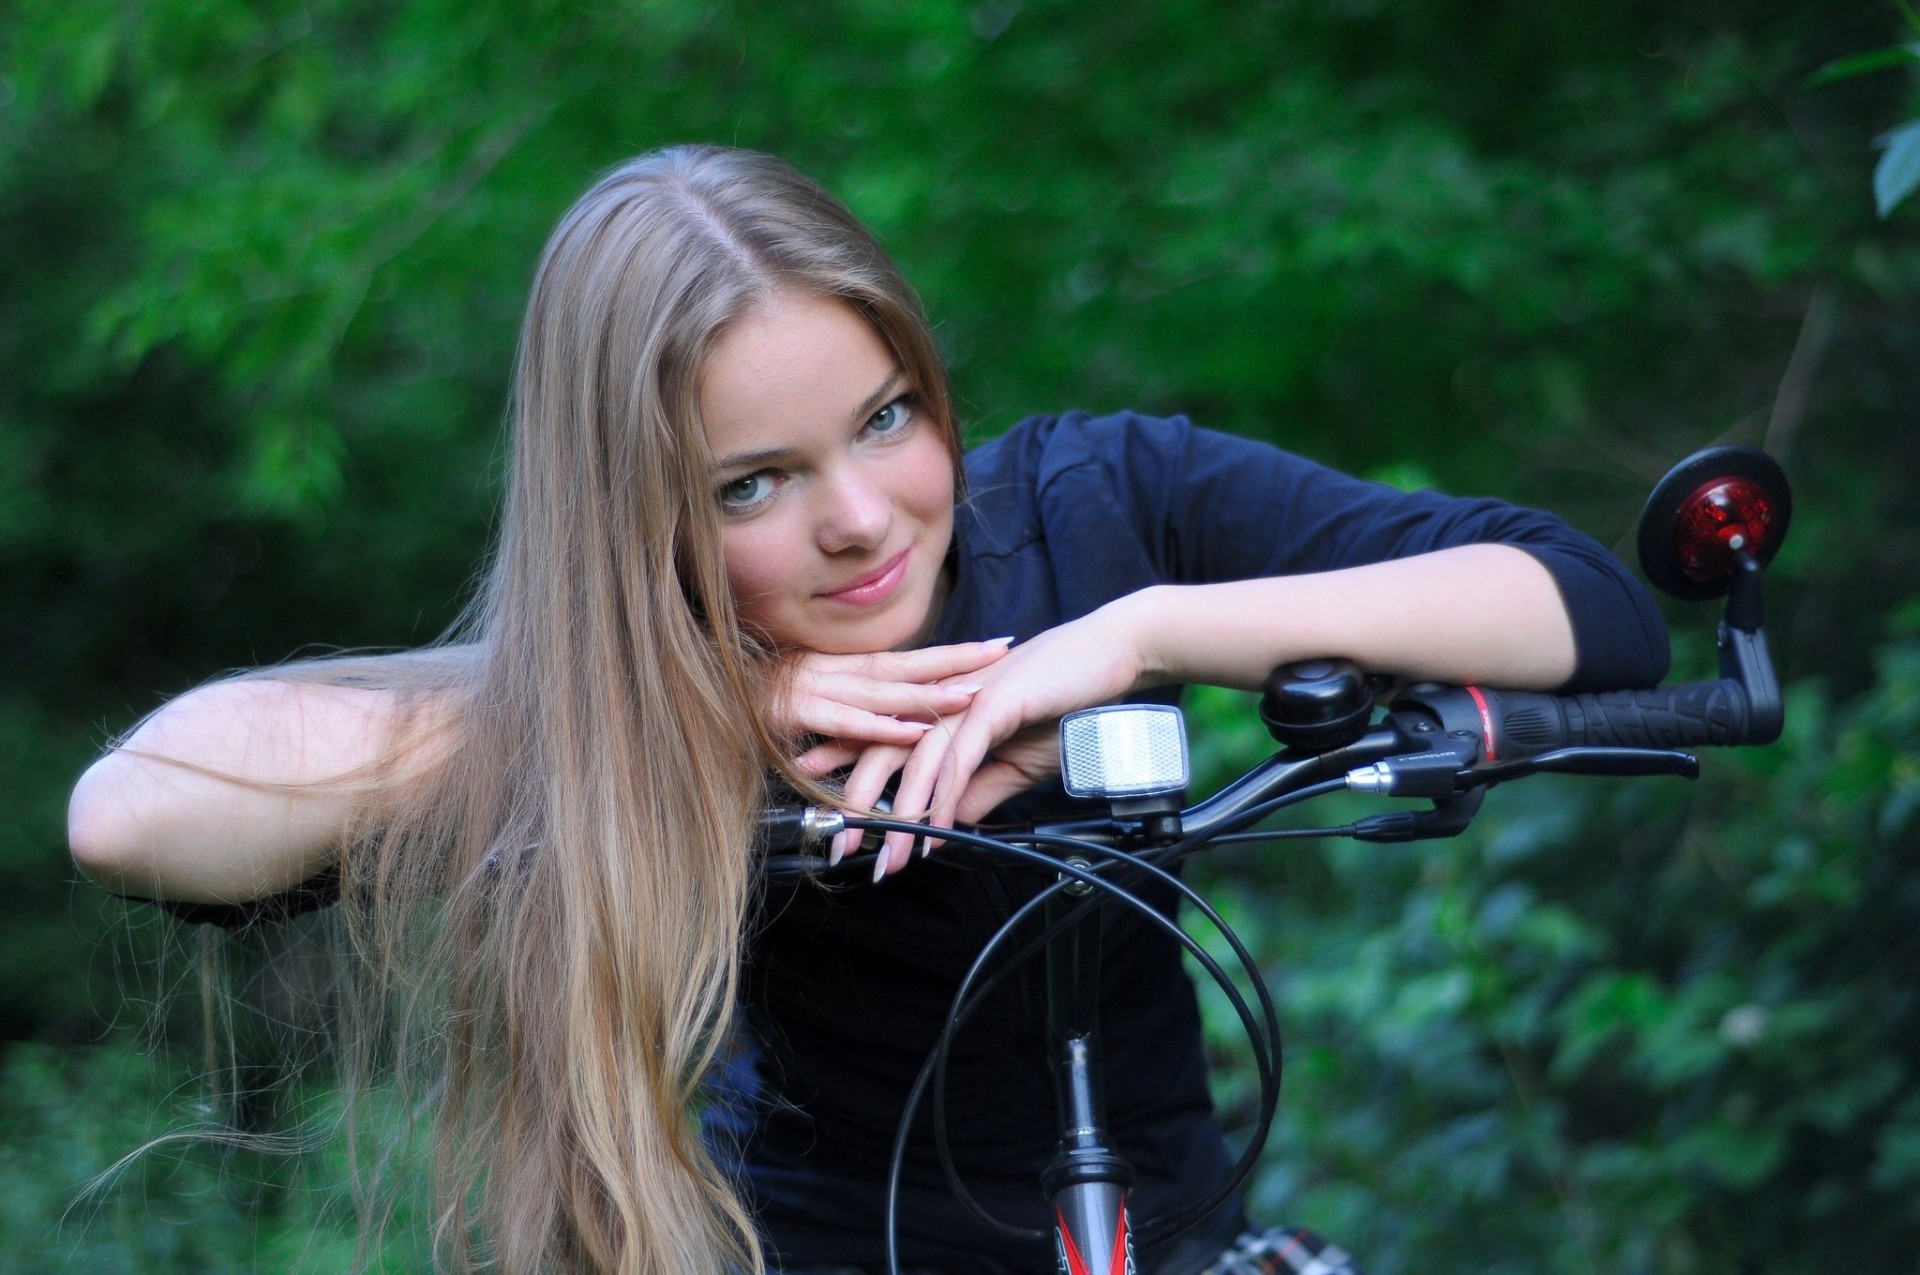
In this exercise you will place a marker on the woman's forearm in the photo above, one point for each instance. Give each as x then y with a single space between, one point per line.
232 791
1480 613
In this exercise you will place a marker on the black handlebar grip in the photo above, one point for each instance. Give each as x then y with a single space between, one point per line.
1515 724
1697 713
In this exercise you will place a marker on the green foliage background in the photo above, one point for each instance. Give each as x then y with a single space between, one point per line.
262 270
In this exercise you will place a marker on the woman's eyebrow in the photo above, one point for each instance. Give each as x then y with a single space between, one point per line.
878 399
765 455
753 459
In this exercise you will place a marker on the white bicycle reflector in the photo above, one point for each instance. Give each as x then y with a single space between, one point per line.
1119 751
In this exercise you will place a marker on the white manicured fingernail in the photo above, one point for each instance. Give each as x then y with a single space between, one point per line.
837 851
966 688
999 641
916 725
879 865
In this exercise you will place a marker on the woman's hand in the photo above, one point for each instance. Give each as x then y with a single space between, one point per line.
1003 741
890 698
1016 764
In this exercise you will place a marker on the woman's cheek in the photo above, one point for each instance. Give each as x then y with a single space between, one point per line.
764 569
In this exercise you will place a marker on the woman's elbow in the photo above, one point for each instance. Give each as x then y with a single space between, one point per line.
104 838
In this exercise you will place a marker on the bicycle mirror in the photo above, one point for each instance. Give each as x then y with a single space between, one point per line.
1713 509
1123 750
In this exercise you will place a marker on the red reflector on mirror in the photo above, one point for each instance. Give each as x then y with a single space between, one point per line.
1724 519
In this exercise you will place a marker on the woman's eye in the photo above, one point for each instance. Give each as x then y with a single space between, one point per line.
892 418
747 491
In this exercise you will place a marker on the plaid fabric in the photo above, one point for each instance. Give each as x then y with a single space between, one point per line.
1283 1250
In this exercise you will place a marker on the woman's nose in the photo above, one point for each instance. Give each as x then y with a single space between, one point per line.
855 514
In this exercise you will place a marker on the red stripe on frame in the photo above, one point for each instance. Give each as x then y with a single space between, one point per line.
1118 1262
1075 1263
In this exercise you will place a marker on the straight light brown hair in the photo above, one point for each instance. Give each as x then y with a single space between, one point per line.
549 886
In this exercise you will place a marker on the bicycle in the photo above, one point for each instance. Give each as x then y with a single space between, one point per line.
1709 529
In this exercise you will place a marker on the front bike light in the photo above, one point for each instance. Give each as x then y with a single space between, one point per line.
1121 751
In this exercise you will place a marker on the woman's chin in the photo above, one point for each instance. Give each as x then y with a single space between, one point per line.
878 633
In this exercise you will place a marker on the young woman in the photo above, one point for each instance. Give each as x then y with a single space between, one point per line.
741 542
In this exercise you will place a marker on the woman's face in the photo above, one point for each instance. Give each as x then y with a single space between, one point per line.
835 486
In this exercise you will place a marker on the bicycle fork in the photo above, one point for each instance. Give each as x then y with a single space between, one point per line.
1086 1182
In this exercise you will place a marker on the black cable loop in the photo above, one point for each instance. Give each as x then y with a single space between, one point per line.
1262 1042
1181 1219
1262 1057
1264 1038
1265 1042
964 1003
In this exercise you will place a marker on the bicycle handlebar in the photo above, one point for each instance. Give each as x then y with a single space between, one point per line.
1436 741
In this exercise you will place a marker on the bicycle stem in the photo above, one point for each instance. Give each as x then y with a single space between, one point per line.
1087 1180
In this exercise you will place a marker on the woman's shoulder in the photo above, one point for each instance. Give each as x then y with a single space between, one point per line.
1053 430
1040 447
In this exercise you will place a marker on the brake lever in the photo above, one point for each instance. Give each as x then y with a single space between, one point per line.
1422 773
1588 761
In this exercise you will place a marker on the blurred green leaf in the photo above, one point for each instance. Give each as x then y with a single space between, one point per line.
1898 170
1863 63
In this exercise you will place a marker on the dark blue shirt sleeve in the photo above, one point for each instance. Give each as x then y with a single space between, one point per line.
1214 507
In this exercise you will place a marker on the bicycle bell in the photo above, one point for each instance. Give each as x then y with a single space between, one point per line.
1315 706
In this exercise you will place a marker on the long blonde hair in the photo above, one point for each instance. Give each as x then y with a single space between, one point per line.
557 908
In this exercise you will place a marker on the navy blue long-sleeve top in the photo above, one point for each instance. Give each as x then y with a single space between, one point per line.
846 990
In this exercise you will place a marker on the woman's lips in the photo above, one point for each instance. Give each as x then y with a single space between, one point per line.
875 587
